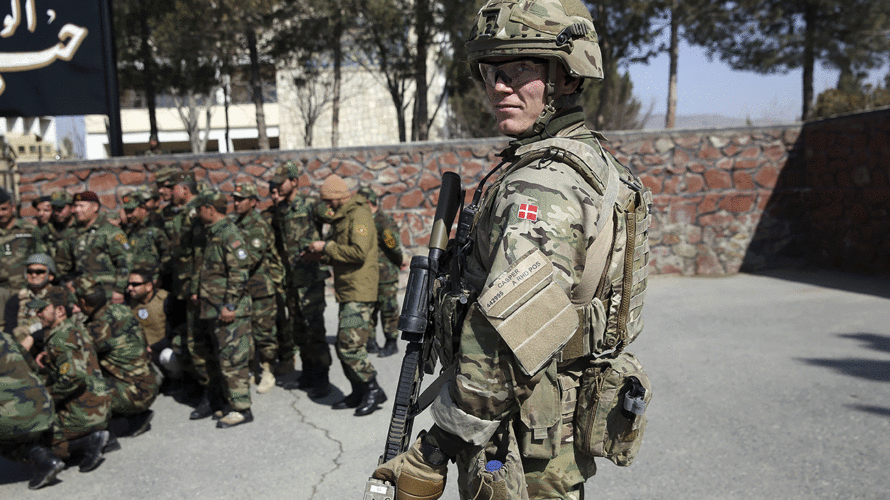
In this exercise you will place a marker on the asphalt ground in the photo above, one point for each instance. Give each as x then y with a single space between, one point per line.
765 386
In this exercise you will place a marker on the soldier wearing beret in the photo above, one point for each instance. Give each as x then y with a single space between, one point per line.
225 309
99 249
265 280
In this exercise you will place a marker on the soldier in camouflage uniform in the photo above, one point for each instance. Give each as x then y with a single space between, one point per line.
122 349
74 380
297 224
26 415
536 222
225 306
266 279
351 249
42 220
16 244
149 245
25 326
61 229
390 261
99 249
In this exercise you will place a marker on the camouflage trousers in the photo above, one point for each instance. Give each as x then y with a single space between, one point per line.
387 306
352 340
265 328
78 419
229 365
561 477
198 345
136 395
306 306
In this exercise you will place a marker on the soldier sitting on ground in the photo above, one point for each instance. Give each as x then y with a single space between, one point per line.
150 305
123 355
22 321
74 380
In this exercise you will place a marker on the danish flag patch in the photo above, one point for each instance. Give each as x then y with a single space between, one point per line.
528 212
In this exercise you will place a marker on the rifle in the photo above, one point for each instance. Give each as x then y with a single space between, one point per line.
417 329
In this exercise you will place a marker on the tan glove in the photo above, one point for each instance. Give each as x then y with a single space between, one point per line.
414 477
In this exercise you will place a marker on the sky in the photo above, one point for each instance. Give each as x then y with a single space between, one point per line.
711 87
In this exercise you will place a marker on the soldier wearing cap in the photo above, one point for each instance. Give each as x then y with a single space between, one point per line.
43 218
61 229
265 282
225 309
149 245
98 249
297 225
351 250
26 422
16 244
22 321
74 380
122 349
390 261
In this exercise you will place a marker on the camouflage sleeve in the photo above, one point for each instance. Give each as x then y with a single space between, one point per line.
67 374
119 253
162 245
63 257
237 268
549 208
362 239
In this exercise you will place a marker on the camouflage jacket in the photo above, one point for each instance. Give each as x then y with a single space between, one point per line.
351 249
545 206
25 316
74 378
389 246
120 343
16 245
25 405
266 270
149 247
297 225
187 240
224 271
100 250
50 239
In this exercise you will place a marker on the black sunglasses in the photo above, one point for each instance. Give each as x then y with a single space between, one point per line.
36 271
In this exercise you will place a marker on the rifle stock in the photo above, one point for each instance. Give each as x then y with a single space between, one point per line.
417 329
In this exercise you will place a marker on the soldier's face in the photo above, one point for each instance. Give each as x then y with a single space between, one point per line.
180 194
85 211
138 288
44 212
244 205
48 316
62 214
137 215
518 101
38 276
285 188
6 213
165 192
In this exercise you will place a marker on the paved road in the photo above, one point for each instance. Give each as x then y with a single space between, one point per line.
766 386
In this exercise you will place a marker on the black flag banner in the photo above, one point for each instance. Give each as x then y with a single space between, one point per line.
52 58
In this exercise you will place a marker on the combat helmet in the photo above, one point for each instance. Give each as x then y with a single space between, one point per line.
554 30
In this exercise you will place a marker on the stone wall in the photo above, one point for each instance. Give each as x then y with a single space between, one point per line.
725 200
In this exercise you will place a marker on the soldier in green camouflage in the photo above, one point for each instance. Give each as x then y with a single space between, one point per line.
225 307
351 250
74 380
297 225
16 244
61 229
266 278
43 221
121 346
390 261
149 245
538 228
25 326
99 249
27 415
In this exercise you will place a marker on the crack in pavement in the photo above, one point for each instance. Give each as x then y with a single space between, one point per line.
304 419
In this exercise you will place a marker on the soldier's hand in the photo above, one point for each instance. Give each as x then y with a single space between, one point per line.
194 299
117 298
227 316
316 246
413 477
39 359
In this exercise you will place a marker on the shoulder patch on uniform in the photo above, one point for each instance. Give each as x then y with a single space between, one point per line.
120 238
65 368
142 313
241 254
528 211
256 243
389 239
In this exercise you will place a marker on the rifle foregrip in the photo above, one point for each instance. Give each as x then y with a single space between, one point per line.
446 209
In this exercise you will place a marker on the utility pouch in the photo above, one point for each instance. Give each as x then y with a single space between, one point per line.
451 309
539 431
610 417
494 476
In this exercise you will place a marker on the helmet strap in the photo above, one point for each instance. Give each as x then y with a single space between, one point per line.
550 103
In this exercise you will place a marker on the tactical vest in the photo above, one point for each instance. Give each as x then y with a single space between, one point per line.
613 283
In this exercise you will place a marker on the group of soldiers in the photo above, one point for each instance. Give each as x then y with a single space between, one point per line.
178 294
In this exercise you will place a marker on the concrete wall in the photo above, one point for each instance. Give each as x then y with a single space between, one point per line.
725 200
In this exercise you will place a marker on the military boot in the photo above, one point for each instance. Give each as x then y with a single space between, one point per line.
371 399
284 367
139 423
90 448
267 378
46 467
372 345
203 410
234 418
389 348
112 445
321 385
353 399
